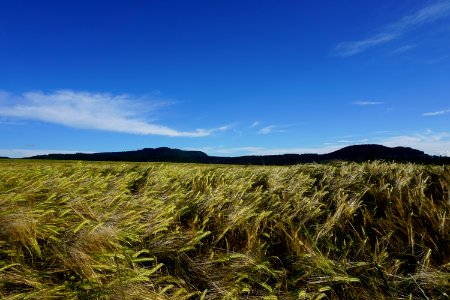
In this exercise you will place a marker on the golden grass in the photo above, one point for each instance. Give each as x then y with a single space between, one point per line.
75 230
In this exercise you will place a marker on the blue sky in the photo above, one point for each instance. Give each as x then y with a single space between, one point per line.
226 77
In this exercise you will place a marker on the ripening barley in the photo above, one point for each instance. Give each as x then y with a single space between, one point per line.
78 230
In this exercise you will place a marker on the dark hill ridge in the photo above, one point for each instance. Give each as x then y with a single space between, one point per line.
161 154
357 153
370 152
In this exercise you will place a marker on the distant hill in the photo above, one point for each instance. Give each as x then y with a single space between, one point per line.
162 154
357 153
3 157
372 152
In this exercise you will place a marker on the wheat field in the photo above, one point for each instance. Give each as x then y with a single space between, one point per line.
79 230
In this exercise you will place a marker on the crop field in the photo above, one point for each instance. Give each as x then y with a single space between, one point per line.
79 230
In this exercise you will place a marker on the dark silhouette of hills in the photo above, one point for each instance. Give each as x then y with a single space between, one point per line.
162 154
356 153
3 157
372 152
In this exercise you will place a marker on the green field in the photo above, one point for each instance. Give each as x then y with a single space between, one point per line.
78 230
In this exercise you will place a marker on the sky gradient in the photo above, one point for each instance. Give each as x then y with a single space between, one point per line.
225 77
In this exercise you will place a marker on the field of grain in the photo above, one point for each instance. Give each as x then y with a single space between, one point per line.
77 230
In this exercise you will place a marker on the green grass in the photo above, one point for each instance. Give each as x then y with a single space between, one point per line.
76 230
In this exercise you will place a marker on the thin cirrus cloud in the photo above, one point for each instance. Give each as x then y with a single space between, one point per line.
396 30
276 128
20 153
367 103
431 142
254 124
254 150
436 113
270 129
98 111
403 49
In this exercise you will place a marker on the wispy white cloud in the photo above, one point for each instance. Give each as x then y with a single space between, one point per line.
402 49
254 124
254 150
396 30
436 143
352 48
437 59
269 129
353 142
19 153
366 103
275 128
100 111
431 142
436 113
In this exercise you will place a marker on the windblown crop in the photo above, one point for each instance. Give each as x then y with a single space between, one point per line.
72 230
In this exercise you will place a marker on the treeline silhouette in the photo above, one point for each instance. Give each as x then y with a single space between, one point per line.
356 153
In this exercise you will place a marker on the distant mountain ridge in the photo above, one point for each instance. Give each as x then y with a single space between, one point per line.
355 153
373 151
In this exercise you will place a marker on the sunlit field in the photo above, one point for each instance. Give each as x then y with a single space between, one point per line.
78 230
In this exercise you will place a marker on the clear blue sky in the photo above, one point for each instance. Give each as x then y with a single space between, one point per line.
225 77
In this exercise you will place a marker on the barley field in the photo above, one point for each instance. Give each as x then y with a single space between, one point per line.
86 230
